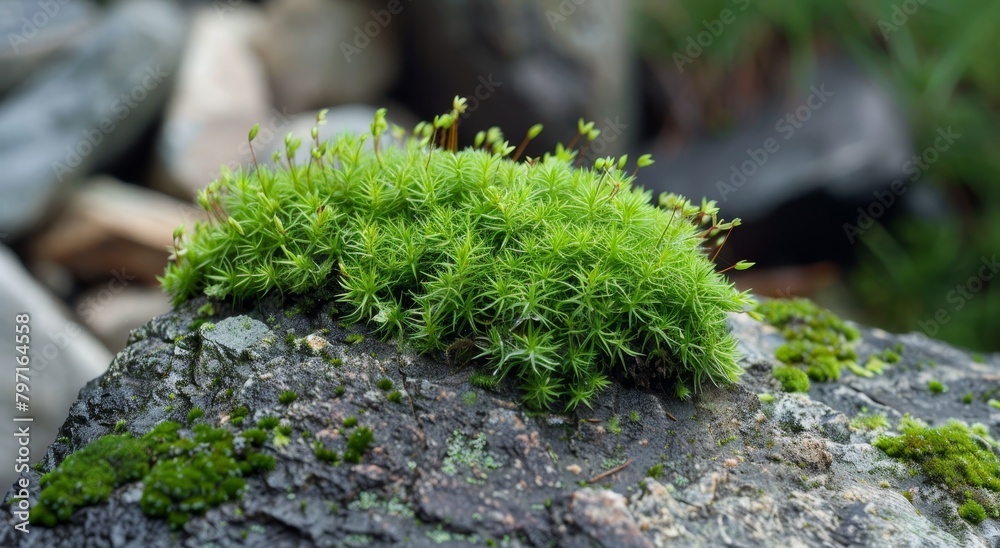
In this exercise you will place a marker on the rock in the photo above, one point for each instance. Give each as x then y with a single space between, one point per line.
34 31
525 62
454 463
86 108
809 160
111 315
63 357
221 93
306 47
109 229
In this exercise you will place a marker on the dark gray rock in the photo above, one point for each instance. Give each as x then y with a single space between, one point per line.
525 62
33 31
455 463
85 109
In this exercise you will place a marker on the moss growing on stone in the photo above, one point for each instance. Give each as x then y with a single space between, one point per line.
818 340
183 473
534 261
792 379
287 397
936 387
955 455
972 512
385 384
358 443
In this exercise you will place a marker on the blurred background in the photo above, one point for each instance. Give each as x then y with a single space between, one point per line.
857 140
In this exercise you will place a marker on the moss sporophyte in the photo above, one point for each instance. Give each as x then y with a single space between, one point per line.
563 276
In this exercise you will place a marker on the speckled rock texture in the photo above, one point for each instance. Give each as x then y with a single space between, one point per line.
454 464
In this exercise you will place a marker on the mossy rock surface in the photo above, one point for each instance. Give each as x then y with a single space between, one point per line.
446 467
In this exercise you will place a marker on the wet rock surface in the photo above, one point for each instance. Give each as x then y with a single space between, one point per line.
454 464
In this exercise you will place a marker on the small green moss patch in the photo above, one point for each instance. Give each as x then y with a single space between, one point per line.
936 387
818 340
792 379
287 397
955 455
183 473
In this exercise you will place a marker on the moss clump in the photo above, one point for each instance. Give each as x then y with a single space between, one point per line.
868 422
328 456
395 396
955 455
195 414
350 422
268 423
385 384
238 415
287 397
817 339
535 261
792 379
972 512
655 471
358 443
936 387
182 474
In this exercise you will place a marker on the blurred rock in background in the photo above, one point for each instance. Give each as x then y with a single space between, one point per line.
306 47
32 35
221 92
85 108
63 358
525 62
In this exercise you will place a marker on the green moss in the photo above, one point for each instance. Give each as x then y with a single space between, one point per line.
354 338
182 473
955 455
615 425
255 436
350 422
120 426
765 398
972 512
936 387
385 384
268 423
817 339
287 397
339 391
655 471
967 398
238 415
195 414
994 404
485 381
534 261
633 417
978 358
469 398
792 379
324 454
395 396
867 422
358 443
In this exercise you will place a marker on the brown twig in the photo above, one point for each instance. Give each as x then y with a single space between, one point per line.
614 470
673 418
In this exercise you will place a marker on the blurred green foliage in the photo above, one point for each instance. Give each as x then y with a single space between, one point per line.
940 58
